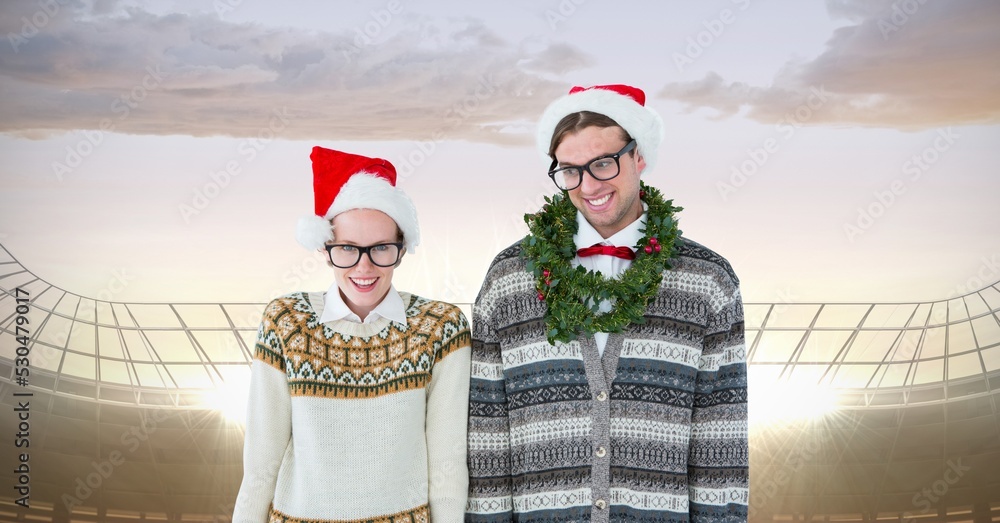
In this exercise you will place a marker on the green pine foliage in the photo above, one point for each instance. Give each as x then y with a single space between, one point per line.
573 295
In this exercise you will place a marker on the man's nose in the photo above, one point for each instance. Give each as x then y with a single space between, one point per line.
589 185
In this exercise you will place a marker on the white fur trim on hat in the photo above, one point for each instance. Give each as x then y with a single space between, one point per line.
313 232
363 191
642 123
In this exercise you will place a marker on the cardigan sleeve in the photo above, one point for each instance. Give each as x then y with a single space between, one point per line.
268 425
490 490
718 463
447 410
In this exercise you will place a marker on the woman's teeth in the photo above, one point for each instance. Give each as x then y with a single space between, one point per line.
364 283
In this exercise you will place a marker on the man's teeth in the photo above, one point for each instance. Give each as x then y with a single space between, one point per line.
364 283
602 201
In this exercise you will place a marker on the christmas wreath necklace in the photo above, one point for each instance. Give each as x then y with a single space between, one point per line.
573 295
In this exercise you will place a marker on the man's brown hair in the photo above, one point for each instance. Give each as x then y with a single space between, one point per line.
575 122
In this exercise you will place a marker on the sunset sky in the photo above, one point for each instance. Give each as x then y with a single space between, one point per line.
833 151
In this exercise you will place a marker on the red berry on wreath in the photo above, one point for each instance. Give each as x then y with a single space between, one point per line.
653 241
657 248
541 297
648 249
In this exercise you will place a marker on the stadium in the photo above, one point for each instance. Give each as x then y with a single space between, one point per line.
859 411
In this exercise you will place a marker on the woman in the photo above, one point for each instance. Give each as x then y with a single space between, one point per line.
358 396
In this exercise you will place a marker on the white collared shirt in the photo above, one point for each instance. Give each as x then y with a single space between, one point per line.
609 266
335 308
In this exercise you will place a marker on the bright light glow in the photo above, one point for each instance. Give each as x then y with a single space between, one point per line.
775 400
230 398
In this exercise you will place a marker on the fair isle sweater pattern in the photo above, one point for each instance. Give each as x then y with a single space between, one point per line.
653 431
417 515
320 361
383 365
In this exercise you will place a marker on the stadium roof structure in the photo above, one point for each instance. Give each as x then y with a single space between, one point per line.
859 411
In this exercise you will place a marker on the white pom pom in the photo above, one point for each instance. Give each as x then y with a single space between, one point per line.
313 231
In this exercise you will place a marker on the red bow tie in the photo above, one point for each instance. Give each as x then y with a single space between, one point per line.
618 252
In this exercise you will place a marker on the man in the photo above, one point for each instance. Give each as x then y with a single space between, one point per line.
608 365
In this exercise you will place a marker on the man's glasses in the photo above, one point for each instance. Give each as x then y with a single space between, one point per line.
602 168
345 256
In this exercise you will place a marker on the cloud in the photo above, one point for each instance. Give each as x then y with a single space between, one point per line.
558 59
907 64
139 72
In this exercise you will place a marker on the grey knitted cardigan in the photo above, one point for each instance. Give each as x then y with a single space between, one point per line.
653 431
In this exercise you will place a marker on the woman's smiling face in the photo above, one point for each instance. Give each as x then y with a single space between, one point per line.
364 285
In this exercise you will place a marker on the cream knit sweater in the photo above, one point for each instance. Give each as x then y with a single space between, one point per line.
357 422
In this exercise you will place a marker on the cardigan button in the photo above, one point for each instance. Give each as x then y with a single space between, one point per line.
601 504
601 452
601 396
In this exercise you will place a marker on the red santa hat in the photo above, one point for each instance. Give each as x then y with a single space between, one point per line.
344 181
624 104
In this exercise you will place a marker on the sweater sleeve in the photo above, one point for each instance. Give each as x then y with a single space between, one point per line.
268 425
447 411
718 464
490 490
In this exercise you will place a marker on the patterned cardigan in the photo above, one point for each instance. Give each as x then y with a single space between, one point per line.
653 431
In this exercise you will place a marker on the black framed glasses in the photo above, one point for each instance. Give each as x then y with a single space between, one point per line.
602 168
345 256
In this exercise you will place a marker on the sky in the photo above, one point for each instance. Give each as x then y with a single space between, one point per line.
839 151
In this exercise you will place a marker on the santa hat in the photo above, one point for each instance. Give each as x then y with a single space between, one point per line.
624 104
344 181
